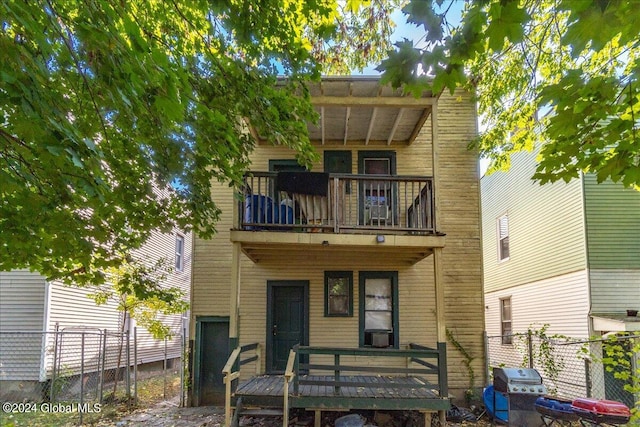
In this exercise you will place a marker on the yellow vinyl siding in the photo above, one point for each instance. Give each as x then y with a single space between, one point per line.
459 218
412 160
416 305
212 262
459 212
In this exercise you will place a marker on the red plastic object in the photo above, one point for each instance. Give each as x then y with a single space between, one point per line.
601 411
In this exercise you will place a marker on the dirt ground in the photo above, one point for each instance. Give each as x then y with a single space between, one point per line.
169 414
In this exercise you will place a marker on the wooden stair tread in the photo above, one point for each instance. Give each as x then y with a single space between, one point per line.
261 412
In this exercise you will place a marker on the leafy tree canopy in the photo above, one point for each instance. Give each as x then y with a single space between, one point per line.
575 64
106 104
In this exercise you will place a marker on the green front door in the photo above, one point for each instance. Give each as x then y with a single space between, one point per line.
287 321
213 352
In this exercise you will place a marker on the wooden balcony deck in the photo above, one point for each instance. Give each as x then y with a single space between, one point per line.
338 203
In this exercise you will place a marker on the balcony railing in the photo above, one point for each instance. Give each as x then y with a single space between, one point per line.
350 203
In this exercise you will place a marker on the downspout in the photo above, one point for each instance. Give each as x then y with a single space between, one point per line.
45 330
437 258
190 332
485 380
587 264
234 303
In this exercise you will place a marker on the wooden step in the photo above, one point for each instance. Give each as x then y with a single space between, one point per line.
260 412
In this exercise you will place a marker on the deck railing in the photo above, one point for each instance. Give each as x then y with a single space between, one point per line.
289 375
349 203
231 372
432 366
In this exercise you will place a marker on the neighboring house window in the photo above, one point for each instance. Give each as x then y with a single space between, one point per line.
378 309
505 320
179 252
338 287
503 237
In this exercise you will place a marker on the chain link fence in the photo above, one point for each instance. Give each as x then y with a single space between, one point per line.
598 368
90 368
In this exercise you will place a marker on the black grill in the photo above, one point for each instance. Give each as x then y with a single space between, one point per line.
521 386
518 380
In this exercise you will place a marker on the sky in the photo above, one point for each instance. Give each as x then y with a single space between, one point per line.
412 32
408 31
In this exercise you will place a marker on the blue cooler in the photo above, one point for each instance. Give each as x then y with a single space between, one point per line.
285 215
258 209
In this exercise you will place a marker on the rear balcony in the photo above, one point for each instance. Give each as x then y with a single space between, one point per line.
371 218
337 203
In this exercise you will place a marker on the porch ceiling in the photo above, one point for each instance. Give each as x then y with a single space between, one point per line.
357 110
288 248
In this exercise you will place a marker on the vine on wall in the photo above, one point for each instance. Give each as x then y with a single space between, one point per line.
467 362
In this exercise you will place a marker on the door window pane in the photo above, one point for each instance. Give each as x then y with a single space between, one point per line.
377 167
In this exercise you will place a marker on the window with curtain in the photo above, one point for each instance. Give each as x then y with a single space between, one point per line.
378 308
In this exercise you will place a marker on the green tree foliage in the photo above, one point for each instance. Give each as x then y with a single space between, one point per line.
616 353
574 63
107 104
135 286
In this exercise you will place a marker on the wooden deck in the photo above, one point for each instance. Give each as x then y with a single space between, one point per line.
354 392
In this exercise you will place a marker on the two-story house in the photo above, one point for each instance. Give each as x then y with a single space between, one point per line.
359 265
41 322
565 254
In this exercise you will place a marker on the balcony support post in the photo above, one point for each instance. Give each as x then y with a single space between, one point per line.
234 298
335 202
434 163
440 325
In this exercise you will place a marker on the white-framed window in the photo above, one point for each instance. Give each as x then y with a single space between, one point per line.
179 252
503 238
505 320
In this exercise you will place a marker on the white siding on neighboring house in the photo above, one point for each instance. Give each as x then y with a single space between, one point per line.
28 303
71 307
615 291
22 301
22 312
546 226
562 302
163 246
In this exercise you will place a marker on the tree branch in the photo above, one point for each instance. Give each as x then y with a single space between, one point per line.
76 62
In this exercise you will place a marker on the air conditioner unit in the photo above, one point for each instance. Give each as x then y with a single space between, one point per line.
380 339
376 213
